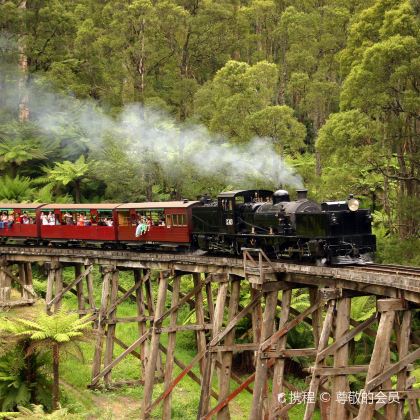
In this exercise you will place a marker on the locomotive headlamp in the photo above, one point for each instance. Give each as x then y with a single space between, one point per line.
353 203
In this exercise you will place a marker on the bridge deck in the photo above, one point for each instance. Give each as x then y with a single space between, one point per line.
391 281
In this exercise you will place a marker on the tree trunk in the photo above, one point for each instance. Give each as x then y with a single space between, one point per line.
184 74
13 169
2 89
140 67
149 191
23 78
56 378
77 191
30 370
281 94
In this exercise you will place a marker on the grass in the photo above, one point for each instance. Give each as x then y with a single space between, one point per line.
124 403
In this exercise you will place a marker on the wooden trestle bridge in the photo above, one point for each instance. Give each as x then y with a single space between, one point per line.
215 297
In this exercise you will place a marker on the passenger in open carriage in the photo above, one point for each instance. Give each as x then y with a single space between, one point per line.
51 218
68 218
44 218
104 221
25 218
86 221
80 219
142 227
10 220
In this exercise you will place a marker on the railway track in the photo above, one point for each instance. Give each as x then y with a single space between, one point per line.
380 279
372 267
390 269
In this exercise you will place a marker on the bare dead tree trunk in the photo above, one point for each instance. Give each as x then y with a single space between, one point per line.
281 96
141 68
23 80
184 73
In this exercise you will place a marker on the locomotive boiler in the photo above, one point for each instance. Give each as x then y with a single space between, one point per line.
336 232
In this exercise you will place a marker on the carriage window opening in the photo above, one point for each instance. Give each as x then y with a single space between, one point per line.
168 220
124 218
8 218
154 217
4 217
26 217
179 219
240 199
151 217
68 217
103 218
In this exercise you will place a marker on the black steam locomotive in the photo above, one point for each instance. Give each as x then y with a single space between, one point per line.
335 232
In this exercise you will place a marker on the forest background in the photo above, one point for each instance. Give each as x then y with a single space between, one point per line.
226 93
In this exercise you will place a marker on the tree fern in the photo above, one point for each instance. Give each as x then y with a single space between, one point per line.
16 189
51 332
67 173
46 195
38 412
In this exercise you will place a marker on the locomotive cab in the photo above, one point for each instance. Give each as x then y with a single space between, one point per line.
217 224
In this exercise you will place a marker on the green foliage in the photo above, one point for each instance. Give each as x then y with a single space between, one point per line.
14 390
14 154
15 189
22 145
301 336
22 379
349 144
130 184
392 250
382 85
60 327
279 125
46 195
38 412
236 91
65 173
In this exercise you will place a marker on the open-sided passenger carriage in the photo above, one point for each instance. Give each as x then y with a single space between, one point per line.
163 224
20 231
167 224
75 223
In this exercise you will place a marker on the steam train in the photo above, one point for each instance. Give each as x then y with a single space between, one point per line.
335 232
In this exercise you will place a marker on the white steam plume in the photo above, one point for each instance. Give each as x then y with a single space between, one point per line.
174 145
154 134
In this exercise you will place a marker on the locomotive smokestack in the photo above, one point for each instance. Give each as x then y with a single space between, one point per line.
302 194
